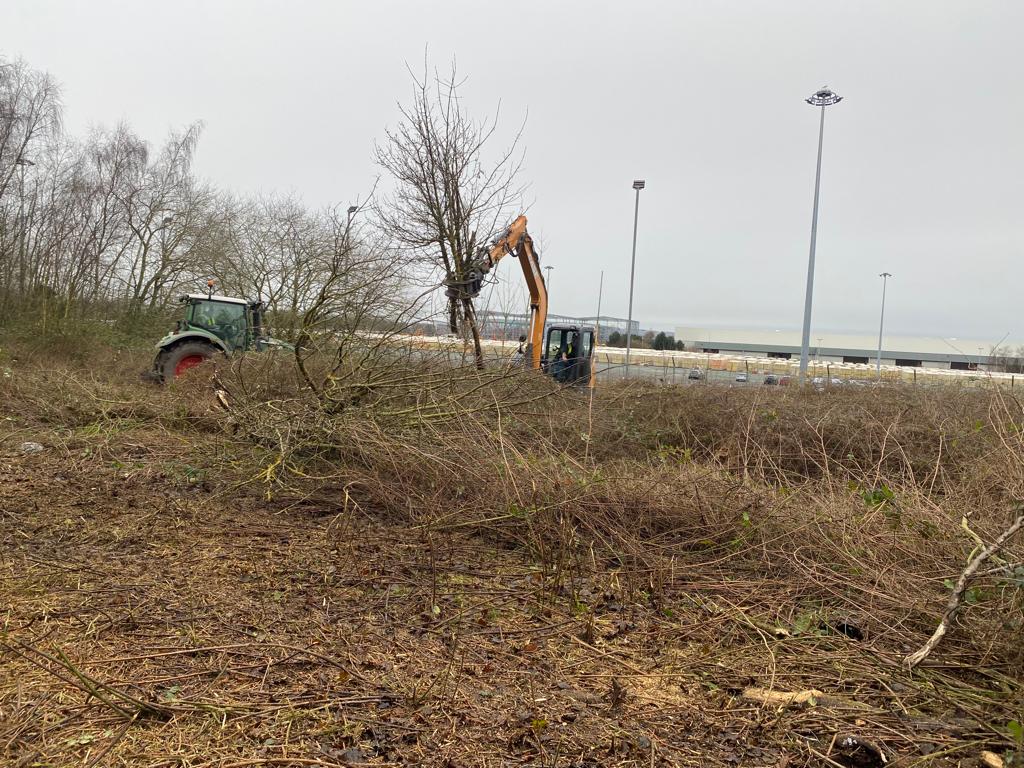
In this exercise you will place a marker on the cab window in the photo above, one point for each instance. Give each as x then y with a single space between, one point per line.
225 319
588 344
557 343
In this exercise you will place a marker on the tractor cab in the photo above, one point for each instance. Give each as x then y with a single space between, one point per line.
567 354
210 326
234 323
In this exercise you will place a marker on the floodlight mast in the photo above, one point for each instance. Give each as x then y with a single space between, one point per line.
824 97
881 324
637 185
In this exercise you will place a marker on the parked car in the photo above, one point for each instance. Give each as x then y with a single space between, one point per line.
741 378
820 382
695 373
771 378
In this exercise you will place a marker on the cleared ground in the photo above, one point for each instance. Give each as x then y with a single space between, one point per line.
164 605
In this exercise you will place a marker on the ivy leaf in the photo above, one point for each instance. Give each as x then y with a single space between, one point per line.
171 694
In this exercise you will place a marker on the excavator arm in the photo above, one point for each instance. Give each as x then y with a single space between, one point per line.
513 241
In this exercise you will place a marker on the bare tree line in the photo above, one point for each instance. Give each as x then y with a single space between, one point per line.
108 225
109 222
93 220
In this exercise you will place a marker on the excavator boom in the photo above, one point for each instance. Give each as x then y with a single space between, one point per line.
516 241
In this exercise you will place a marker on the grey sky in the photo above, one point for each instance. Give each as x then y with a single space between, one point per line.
923 167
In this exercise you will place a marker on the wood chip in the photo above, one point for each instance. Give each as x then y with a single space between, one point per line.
782 698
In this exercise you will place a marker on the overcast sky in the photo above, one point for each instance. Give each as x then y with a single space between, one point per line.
923 172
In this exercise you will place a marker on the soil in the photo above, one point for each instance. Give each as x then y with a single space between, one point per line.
160 610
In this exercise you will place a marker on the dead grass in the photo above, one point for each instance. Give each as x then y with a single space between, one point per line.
491 573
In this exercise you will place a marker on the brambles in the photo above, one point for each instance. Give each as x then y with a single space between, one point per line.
319 579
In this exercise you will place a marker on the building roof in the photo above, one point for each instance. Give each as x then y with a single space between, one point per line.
924 348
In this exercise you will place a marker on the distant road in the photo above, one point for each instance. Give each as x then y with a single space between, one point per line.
674 366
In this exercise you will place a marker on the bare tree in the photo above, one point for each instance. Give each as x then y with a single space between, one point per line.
359 310
30 120
1007 359
30 114
164 208
275 249
448 200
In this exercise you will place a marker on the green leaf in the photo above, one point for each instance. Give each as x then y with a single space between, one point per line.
1016 731
876 497
805 622
171 694
973 595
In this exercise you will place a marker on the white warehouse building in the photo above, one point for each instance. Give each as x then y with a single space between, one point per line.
827 347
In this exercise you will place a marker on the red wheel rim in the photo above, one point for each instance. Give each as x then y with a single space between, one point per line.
187 363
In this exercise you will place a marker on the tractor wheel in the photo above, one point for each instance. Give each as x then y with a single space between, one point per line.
185 357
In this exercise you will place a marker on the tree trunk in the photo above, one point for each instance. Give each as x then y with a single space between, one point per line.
453 316
470 313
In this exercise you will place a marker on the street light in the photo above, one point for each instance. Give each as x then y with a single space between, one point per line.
881 322
637 185
352 211
547 283
821 98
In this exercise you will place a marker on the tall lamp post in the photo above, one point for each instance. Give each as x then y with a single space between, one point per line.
548 268
881 323
822 98
637 185
349 214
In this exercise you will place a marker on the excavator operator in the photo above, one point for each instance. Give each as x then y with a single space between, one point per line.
565 359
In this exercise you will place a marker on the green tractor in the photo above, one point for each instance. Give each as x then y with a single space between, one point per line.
212 325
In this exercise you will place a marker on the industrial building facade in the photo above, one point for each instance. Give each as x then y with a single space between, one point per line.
826 347
508 326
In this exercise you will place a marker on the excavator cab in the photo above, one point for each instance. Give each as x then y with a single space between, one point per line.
564 352
567 354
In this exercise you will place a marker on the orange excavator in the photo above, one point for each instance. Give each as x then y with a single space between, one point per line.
566 351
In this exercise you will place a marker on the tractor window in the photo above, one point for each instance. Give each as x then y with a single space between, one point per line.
225 319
